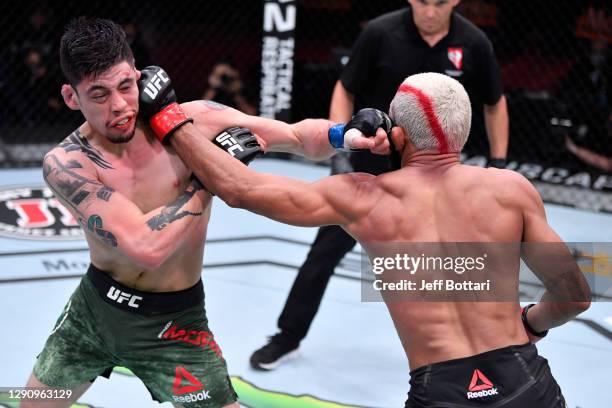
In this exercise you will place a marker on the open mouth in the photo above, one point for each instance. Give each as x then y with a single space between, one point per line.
125 123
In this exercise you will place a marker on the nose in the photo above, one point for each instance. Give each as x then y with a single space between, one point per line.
118 102
430 11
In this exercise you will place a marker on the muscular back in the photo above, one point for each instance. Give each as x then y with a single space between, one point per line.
145 219
453 203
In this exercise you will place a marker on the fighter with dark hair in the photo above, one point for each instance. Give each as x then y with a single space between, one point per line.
141 303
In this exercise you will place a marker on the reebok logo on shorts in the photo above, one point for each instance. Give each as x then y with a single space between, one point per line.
480 386
119 296
193 391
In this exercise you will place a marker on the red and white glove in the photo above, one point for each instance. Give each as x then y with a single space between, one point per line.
158 103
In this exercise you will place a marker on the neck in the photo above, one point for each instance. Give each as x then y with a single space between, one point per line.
430 158
136 144
433 38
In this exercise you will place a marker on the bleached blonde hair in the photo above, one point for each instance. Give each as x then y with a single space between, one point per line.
434 111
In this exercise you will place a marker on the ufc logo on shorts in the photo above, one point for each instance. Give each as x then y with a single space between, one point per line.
154 85
225 139
119 296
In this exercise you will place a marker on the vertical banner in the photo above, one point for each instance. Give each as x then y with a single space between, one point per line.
277 52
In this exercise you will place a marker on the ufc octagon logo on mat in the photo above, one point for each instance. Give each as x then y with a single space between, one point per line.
35 213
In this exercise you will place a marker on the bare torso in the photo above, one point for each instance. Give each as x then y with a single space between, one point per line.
151 176
447 203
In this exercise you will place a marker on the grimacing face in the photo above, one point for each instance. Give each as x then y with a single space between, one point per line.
432 16
109 102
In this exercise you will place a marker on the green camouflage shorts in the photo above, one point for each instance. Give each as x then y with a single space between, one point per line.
163 338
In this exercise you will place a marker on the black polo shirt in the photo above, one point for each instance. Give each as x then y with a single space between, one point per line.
390 48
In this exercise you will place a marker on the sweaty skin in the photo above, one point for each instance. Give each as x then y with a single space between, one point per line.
433 198
145 218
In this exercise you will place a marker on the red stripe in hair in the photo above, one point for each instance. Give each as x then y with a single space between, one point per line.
432 119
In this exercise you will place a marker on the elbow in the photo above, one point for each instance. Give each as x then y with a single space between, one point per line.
231 196
149 259
147 255
581 306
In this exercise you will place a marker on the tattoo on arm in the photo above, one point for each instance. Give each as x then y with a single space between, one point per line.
78 191
104 193
75 189
74 142
94 224
170 212
213 105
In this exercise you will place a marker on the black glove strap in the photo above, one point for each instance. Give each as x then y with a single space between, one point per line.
394 157
528 326
497 163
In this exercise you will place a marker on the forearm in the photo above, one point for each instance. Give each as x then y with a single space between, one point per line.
308 138
549 313
152 238
219 172
152 248
496 123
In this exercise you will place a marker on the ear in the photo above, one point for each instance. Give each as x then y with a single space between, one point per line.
70 96
138 74
399 138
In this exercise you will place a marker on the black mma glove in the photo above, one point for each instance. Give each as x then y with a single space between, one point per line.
158 103
240 143
368 120
365 121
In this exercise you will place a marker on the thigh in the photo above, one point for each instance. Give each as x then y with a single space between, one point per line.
182 363
73 353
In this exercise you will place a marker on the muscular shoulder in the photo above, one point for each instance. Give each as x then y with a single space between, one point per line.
512 188
353 194
75 152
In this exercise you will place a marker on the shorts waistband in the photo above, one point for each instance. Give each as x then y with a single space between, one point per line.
146 303
527 349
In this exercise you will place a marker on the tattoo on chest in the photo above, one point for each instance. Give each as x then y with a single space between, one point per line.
213 105
74 142
172 211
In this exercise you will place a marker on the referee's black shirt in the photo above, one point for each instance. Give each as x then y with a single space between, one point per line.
390 48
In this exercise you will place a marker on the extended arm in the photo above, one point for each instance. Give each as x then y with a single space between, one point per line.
112 219
333 200
308 138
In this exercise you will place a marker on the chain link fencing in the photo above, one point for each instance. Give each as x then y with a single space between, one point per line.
554 59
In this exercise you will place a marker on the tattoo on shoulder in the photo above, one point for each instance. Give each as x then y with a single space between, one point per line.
95 224
74 188
75 142
170 212
213 105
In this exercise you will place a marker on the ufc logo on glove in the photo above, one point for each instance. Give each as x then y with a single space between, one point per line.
155 84
225 139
